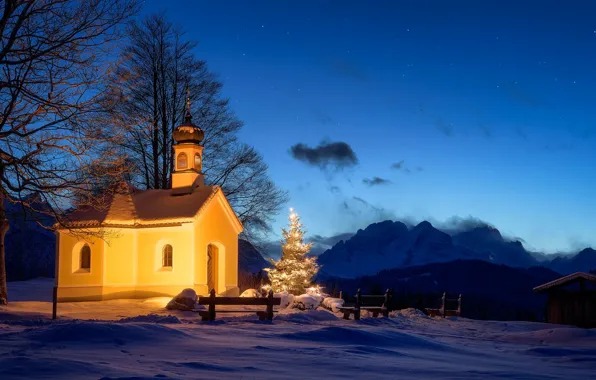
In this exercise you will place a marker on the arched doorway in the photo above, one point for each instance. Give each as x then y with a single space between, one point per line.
212 267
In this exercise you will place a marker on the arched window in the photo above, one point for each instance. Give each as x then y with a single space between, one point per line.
197 162
167 255
85 258
182 161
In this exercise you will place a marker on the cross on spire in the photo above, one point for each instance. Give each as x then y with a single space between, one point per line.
187 116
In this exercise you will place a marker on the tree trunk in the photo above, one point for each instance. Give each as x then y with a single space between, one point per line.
165 133
3 230
155 130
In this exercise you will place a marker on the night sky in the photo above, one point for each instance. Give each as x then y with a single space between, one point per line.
415 110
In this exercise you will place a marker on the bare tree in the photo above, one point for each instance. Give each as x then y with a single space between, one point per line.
53 61
147 102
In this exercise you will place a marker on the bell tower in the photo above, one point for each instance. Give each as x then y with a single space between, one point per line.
188 155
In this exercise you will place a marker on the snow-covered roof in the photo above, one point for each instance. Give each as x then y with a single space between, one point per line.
146 208
565 280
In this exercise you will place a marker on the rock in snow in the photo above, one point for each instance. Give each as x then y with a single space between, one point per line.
184 301
250 293
286 299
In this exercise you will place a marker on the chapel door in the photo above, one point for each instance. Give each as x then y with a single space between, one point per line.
212 267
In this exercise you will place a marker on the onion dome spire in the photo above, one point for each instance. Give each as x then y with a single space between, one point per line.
187 116
187 131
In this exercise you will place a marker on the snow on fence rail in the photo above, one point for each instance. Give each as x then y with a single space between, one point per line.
443 311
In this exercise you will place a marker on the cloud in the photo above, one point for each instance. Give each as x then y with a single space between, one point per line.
381 213
323 243
485 130
330 240
357 213
376 181
348 69
334 155
322 117
444 127
577 243
398 165
334 189
457 224
402 167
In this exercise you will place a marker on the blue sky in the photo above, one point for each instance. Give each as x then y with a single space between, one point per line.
487 105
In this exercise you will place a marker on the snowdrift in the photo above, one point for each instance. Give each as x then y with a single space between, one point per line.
103 332
378 337
332 304
308 316
567 336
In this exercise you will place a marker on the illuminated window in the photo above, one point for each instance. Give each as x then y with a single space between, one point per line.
197 161
85 262
182 161
167 256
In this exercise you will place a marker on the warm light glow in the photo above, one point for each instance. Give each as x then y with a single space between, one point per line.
130 263
295 270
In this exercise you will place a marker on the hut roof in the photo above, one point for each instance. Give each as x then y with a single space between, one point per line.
565 280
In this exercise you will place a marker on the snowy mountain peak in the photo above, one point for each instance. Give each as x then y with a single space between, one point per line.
388 244
424 225
485 233
587 252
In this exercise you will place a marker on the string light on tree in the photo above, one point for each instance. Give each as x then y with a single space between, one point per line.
294 271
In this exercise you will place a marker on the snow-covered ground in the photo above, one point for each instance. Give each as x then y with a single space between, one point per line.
145 341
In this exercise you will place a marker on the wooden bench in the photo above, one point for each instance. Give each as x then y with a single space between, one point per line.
363 302
212 300
443 311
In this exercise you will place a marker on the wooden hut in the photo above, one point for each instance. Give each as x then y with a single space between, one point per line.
571 300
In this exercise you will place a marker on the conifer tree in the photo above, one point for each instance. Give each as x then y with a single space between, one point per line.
294 271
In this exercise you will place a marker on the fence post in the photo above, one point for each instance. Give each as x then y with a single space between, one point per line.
386 306
443 304
212 305
54 302
358 303
270 305
459 306
341 295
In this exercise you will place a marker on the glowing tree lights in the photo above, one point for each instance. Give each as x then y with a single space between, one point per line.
294 271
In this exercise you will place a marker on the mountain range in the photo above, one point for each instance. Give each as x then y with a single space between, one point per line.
389 244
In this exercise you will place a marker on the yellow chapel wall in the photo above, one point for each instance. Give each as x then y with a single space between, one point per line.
213 226
119 258
127 263
74 283
152 278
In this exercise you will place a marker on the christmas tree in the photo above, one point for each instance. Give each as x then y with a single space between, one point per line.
294 271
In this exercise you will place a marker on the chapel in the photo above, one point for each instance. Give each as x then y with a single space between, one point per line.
150 243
